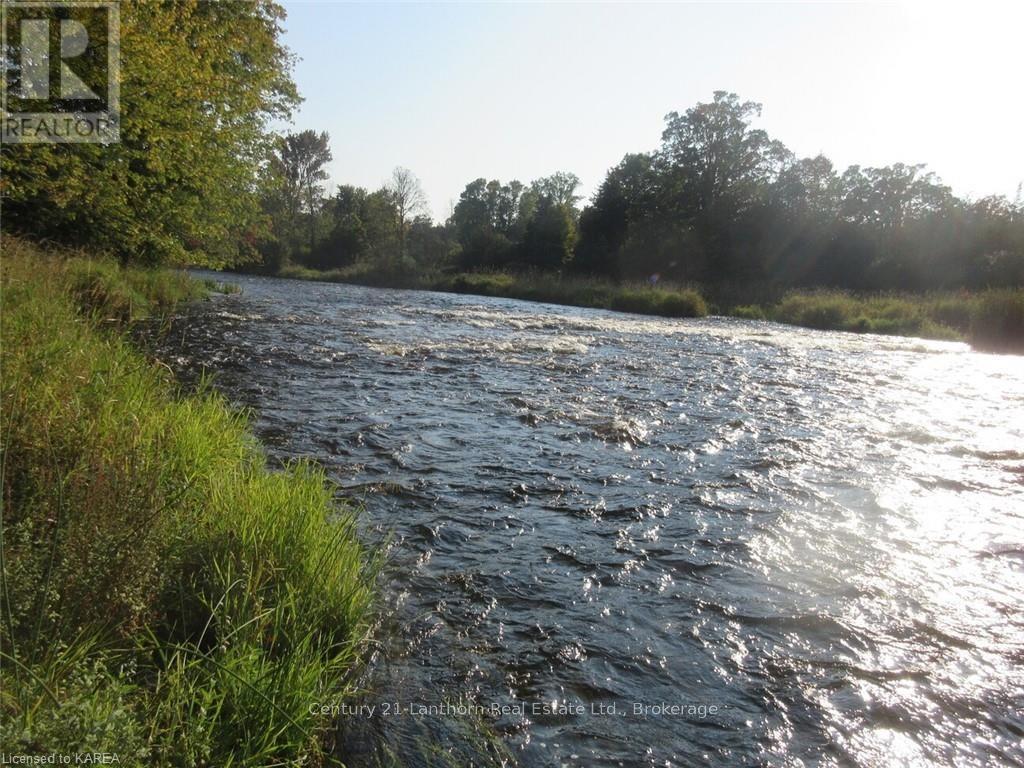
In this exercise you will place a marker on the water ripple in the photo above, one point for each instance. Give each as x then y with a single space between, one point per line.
819 533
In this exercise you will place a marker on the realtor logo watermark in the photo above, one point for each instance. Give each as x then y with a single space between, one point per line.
61 72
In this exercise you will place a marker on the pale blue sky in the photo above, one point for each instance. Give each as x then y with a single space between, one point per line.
459 91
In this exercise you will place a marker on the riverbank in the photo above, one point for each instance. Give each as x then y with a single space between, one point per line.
596 293
990 319
165 596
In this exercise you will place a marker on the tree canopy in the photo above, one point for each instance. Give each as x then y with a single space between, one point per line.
721 200
201 83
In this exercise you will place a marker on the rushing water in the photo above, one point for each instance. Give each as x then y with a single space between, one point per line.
820 535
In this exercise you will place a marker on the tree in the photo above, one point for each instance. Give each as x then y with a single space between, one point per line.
409 200
560 188
626 195
348 238
550 236
887 197
430 246
473 212
720 157
360 227
300 160
489 218
202 82
809 186
713 168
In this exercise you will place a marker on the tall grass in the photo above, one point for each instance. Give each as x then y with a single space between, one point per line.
990 319
665 300
578 291
116 293
997 321
164 595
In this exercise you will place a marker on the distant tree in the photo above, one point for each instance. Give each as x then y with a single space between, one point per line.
719 201
472 212
301 159
348 238
713 168
718 156
430 246
550 236
360 227
809 186
504 206
409 200
489 218
627 195
887 197
560 188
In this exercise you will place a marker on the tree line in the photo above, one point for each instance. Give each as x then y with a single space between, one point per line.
200 177
723 201
720 201
493 225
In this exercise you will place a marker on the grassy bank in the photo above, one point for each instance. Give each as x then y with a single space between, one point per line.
990 320
666 301
164 596
598 293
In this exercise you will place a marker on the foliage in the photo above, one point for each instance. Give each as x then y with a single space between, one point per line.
723 201
997 321
667 300
163 592
109 292
720 203
296 183
200 84
550 235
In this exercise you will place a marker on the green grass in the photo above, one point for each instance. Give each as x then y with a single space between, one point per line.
665 300
364 273
215 286
749 312
990 319
164 594
997 320
113 293
598 293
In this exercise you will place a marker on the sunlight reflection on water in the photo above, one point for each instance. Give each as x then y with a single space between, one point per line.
822 532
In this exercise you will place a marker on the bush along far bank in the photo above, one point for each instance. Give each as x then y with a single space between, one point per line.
165 596
551 288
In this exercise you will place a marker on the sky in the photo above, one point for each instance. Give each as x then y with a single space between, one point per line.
518 91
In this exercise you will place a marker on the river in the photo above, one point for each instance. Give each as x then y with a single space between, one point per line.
704 541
